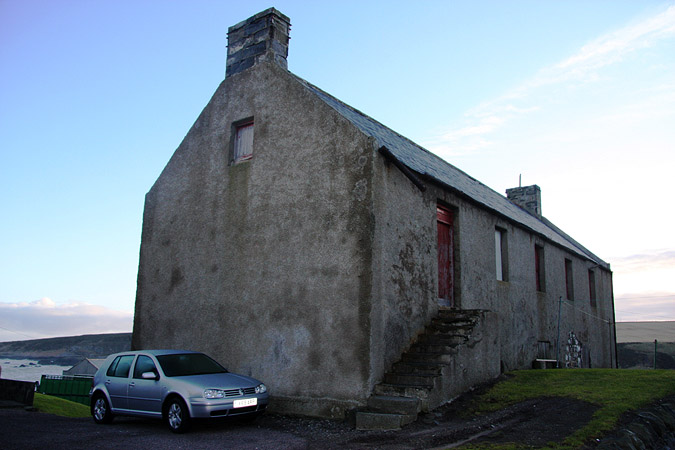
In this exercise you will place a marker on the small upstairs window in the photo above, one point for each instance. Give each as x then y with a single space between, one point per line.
501 261
243 141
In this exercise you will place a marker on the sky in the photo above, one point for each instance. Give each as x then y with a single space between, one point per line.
577 97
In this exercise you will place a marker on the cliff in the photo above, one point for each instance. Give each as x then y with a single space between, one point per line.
66 350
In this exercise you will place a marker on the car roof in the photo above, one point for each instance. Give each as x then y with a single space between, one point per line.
157 352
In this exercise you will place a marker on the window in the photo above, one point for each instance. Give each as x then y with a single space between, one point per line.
501 260
591 287
446 256
539 267
243 141
569 280
144 364
120 366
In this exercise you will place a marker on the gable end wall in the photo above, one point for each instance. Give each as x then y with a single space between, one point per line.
266 265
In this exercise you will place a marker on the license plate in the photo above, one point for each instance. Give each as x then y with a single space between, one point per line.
245 402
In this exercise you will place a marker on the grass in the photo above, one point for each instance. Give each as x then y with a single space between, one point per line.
60 407
613 391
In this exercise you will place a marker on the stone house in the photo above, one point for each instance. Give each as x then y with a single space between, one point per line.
87 367
296 239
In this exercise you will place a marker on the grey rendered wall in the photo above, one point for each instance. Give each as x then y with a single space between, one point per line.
526 316
521 317
405 269
266 265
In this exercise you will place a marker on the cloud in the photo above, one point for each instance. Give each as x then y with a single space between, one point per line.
612 47
644 261
45 318
552 84
643 285
645 306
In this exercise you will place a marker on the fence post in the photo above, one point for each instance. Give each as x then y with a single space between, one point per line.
655 345
557 345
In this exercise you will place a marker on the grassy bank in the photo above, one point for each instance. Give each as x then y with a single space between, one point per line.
54 405
613 391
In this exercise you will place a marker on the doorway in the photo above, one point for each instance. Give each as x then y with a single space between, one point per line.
446 256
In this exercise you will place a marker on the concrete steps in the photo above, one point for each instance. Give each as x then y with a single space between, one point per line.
412 381
388 412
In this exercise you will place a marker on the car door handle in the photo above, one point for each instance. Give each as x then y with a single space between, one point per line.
132 384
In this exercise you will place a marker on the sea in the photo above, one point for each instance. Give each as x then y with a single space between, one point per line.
28 369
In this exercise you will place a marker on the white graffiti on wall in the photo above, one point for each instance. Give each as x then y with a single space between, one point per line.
573 352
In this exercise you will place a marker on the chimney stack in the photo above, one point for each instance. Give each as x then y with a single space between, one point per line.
261 37
527 197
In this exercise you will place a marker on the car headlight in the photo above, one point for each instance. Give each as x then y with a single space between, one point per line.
214 393
260 389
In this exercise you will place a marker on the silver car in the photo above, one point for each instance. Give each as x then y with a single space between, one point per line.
175 385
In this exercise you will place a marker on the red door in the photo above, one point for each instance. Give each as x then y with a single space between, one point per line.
446 257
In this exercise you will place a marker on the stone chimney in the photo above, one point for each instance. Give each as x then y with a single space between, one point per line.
261 37
527 197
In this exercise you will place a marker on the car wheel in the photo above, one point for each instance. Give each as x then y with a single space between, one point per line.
176 415
100 410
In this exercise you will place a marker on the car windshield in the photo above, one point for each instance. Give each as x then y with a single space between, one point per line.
189 364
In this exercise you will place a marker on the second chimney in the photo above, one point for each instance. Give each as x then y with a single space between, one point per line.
527 197
264 36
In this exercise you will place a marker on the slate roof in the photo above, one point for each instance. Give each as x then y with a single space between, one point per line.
431 166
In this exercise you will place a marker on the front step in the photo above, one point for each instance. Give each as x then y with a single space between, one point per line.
366 421
394 405
386 412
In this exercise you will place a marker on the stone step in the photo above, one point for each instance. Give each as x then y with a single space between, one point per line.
448 328
390 404
408 379
395 390
449 349
441 339
431 358
422 368
457 314
367 420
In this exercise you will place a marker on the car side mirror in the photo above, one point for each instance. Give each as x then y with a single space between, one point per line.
149 376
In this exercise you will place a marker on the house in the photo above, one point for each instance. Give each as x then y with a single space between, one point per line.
298 240
87 367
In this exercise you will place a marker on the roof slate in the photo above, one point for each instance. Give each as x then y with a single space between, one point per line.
429 165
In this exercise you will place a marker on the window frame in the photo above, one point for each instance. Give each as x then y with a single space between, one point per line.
238 128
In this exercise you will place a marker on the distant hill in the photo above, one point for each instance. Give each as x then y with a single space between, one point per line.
645 331
640 355
66 350
635 344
